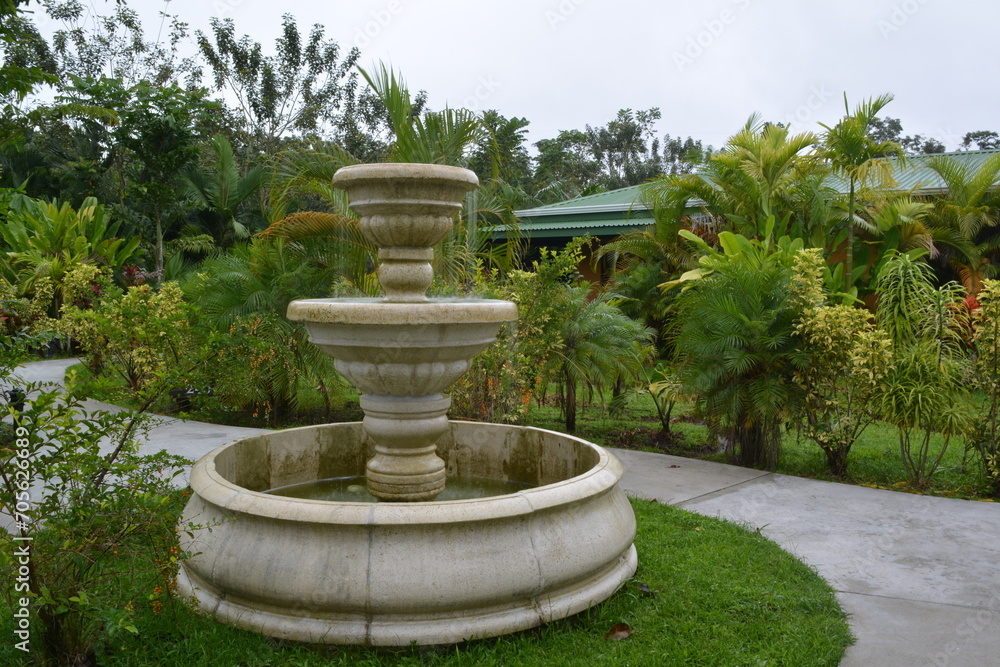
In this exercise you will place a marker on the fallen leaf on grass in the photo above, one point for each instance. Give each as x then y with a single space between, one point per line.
618 632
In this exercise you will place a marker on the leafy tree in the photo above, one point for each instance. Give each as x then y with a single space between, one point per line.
682 156
851 151
24 54
921 145
622 153
160 128
564 167
984 140
298 89
881 130
626 148
24 58
114 46
499 153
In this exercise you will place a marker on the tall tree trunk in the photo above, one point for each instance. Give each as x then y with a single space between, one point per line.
159 249
849 263
570 406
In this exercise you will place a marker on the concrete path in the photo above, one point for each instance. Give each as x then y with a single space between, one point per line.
189 439
920 576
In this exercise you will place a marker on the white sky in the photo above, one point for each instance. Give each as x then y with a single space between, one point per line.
708 65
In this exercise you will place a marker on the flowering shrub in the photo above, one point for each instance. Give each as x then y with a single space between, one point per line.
505 377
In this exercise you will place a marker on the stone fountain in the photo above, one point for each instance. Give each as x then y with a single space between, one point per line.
407 568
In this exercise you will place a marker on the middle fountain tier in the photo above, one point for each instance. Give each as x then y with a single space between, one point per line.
404 350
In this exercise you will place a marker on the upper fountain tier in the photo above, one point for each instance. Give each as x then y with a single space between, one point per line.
405 350
404 344
405 210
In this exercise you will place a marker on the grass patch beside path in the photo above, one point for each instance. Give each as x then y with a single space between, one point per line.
707 592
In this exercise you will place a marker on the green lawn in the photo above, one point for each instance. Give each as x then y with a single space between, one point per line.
707 592
874 459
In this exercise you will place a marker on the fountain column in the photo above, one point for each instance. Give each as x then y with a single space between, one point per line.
404 350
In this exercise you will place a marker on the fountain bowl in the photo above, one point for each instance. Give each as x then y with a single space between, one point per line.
392 573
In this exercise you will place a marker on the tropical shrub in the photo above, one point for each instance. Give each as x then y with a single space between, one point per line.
848 359
666 390
137 334
599 346
505 377
737 351
925 395
96 524
45 240
243 296
985 435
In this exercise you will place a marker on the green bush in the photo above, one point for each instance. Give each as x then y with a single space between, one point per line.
93 518
985 435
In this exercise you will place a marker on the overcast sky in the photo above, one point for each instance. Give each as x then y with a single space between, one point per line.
707 65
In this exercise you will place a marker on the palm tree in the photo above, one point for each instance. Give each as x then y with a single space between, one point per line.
644 259
599 344
218 193
852 153
249 289
737 352
438 137
432 137
750 185
965 211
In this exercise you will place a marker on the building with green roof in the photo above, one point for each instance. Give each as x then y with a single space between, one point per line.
609 214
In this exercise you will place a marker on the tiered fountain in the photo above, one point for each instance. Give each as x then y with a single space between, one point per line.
391 565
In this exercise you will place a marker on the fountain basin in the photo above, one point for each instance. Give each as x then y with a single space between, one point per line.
388 573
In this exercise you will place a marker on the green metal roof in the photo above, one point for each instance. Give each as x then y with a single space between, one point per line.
617 211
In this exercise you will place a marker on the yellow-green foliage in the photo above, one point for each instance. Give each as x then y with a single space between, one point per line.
848 359
137 334
806 282
26 313
985 436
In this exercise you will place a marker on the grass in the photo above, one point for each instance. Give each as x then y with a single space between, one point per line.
707 592
874 460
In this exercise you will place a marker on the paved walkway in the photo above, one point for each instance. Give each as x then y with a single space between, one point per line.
920 576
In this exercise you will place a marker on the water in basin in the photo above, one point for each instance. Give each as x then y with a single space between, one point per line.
353 490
